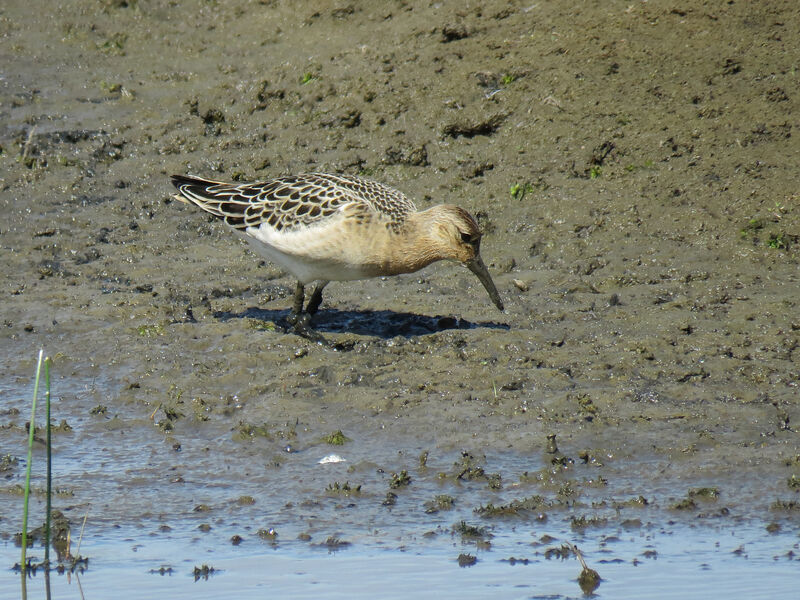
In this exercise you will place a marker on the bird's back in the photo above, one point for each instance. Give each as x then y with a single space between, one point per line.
293 202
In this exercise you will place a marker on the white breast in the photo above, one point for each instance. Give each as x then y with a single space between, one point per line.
310 254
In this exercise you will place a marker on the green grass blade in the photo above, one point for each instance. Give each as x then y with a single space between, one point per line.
28 467
47 362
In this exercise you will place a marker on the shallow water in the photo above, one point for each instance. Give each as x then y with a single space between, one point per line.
146 501
685 562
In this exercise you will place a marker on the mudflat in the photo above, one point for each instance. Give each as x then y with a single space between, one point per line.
633 166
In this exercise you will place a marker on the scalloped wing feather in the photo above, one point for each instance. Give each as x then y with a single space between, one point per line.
287 203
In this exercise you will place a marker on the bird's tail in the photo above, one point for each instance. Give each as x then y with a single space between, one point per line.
223 200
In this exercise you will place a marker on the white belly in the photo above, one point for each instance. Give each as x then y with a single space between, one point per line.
308 255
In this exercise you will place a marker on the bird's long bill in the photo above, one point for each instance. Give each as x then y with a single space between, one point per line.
476 266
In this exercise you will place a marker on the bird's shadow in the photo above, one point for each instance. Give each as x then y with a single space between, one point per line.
385 324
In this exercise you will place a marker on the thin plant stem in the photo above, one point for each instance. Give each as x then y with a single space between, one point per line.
47 362
80 587
80 537
47 594
28 467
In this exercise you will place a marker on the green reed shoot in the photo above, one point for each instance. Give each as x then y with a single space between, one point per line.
47 362
28 467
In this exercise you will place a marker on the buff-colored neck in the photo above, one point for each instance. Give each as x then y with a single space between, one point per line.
420 242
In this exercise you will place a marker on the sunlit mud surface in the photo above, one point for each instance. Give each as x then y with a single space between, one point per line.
634 168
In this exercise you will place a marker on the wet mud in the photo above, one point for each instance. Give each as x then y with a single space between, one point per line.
633 166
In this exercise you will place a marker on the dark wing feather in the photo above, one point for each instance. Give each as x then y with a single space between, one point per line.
289 202
222 200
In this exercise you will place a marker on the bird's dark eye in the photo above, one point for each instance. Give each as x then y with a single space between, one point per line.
466 238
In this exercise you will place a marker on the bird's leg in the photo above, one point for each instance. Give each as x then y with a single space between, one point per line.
297 305
316 298
300 319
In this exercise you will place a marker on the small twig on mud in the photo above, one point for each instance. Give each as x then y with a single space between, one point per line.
579 555
589 579
26 148
153 414
80 538
550 101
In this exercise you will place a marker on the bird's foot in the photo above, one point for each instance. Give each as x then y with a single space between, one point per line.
301 325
